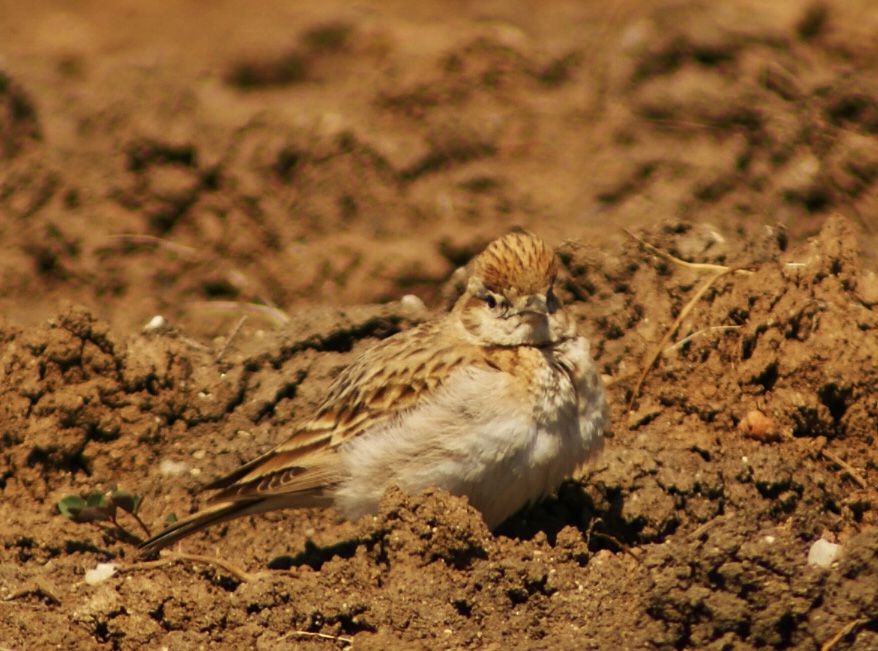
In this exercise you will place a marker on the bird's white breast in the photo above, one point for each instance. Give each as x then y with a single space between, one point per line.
477 436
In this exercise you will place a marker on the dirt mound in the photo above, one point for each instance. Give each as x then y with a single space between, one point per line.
165 174
340 158
689 530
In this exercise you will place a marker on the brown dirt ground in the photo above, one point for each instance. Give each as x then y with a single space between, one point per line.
328 158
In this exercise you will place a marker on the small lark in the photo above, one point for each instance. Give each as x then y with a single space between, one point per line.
498 400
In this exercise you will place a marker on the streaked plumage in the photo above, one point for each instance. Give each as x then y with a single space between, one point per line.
497 400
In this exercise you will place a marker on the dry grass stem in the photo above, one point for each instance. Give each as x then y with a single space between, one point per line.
170 557
40 591
231 337
673 329
694 266
838 637
275 316
844 465
323 636
696 334
182 250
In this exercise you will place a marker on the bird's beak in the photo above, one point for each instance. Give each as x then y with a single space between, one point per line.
535 305
542 305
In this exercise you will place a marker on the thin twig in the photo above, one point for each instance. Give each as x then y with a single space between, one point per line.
274 315
838 637
625 548
197 345
142 524
819 447
848 468
169 557
618 543
698 333
679 124
149 565
695 266
322 636
223 564
704 527
120 529
167 245
673 329
231 336
37 591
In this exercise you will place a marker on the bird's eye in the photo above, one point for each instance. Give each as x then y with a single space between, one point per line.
552 303
491 301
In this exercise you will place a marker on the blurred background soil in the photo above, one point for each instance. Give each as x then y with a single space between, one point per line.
271 179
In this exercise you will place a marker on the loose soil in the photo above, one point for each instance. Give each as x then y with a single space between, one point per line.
272 182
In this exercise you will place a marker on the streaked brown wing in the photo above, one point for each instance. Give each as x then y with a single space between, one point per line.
381 384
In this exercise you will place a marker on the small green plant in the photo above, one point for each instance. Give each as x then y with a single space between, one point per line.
99 507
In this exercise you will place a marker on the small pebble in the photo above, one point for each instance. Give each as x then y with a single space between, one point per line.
155 323
823 554
756 425
101 573
171 468
867 288
412 302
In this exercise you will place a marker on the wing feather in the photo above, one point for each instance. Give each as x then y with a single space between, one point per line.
381 385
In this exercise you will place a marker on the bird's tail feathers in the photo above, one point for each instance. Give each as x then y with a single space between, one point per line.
228 510
210 516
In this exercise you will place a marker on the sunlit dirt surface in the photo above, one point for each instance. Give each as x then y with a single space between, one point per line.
306 165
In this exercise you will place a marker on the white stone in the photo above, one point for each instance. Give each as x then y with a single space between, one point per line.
171 468
155 323
412 302
823 554
101 573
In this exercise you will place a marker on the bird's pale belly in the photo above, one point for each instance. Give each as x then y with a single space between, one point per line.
477 438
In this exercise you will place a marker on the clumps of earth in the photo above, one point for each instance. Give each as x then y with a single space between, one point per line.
206 212
692 529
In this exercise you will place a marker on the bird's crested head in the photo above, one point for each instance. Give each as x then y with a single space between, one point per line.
509 298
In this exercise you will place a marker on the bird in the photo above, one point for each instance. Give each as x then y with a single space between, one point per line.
498 400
